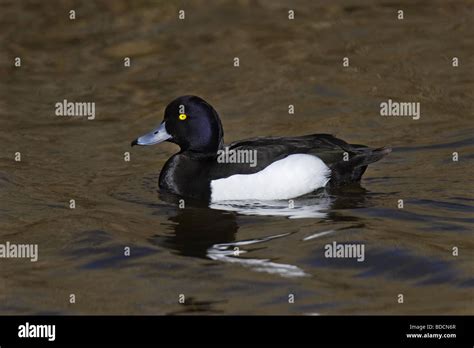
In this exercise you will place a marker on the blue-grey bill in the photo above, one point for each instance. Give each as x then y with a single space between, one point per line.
156 136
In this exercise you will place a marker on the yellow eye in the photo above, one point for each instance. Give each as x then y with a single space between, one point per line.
182 117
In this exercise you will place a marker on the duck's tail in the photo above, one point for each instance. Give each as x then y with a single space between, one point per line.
370 156
345 172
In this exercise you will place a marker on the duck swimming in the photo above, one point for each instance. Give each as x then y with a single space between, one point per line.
283 167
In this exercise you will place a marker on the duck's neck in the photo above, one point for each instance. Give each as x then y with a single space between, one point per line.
203 152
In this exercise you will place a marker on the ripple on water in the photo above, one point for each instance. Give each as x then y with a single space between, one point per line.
226 252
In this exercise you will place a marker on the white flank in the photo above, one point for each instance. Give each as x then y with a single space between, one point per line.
290 177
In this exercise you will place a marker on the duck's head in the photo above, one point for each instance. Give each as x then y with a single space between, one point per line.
189 122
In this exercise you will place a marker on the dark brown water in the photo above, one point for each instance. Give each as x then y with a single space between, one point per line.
189 251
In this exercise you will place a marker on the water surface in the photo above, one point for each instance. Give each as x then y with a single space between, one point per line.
280 250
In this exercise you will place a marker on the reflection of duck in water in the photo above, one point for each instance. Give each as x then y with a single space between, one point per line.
208 233
283 167
194 230
199 231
